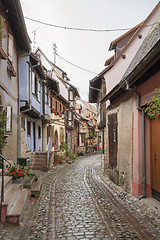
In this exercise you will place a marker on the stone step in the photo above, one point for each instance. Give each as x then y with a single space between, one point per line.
7 182
36 188
11 195
28 182
39 167
38 162
15 214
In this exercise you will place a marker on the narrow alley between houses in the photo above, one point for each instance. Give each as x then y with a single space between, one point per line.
78 201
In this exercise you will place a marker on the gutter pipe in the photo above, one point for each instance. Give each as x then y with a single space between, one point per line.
143 141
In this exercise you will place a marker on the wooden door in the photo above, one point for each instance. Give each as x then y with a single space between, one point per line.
112 134
56 140
155 155
53 143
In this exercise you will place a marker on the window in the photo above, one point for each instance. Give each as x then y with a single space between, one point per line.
39 132
9 119
33 82
56 105
83 138
71 96
36 85
10 47
47 96
52 102
69 115
38 91
28 128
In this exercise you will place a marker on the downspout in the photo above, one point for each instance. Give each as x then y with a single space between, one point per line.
19 115
143 141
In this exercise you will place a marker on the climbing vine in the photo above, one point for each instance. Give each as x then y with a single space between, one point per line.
2 29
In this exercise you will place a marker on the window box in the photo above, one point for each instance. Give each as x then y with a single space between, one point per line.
11 70
3 55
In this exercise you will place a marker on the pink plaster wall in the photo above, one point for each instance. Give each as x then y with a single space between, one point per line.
115 74
145 90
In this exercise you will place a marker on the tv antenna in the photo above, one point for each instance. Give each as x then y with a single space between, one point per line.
34 38
54 52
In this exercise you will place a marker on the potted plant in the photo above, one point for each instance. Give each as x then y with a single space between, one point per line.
153 108
17 174
91 134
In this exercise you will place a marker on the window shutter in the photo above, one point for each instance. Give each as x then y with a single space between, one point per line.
33 82
10 47
39 92
9 119
112 134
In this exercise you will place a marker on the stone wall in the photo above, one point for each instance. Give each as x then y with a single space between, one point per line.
122 173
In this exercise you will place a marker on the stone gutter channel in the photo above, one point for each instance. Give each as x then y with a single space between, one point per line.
39 221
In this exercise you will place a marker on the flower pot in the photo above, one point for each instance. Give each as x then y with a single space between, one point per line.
17 181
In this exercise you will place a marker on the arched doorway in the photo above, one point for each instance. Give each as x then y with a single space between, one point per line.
56 140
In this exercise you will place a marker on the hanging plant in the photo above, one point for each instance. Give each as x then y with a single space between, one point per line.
153 108
2 29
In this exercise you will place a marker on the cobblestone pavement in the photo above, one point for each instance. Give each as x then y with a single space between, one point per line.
79 202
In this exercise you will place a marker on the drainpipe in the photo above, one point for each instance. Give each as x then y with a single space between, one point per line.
143 141
19 116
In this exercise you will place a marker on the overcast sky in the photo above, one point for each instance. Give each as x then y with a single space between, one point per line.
88 50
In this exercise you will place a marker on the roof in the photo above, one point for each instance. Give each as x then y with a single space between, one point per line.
147 46
117 87
149 50
37 65
82 117
75 89
94 89
126 46
109 60
131 31
15 16
54 85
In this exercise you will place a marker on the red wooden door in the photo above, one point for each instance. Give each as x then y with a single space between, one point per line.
155 155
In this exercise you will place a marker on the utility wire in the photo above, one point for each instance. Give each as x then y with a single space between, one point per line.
85 29
76 65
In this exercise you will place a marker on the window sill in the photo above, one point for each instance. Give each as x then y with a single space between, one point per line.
3 55
11 70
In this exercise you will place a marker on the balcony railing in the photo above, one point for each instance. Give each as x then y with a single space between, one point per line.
3 159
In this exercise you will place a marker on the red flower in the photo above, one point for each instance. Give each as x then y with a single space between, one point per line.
25 172
151 103
12 173
19 170
8 169
155 107
19 175
153 111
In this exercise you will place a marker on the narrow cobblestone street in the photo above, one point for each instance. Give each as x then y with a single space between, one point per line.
79 202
